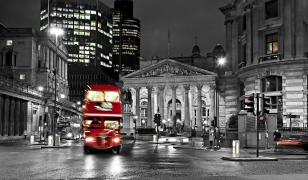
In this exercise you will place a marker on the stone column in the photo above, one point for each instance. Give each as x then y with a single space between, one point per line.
149 88
17 117
65 72
137 104
199 108
186 97
6 115
213 101
1 114
173 88
161 101
12 117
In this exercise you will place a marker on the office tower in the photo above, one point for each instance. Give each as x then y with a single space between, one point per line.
126 37
88 39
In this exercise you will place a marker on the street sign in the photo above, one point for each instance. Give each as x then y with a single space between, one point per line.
292 116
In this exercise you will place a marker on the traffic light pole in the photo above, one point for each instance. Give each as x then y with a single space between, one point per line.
257 114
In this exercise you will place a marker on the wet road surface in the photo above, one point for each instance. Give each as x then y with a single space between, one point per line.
139 160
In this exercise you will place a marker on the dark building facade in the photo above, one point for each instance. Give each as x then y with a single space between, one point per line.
126 37
88 38
27 82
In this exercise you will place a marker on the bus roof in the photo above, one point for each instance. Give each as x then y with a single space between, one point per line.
103 87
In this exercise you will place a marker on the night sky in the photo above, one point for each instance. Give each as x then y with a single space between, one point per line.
186 19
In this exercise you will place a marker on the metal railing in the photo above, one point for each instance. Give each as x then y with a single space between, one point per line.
270 57
295 130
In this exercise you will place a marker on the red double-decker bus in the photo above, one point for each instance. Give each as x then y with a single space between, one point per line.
102 118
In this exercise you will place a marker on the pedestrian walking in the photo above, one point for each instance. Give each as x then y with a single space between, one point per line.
277 137
211 137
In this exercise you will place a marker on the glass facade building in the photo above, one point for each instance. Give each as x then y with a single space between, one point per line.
88 29
88 39
126 37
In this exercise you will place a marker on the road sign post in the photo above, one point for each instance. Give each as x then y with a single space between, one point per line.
257 124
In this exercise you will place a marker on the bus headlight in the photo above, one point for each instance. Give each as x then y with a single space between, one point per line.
116 140
89 139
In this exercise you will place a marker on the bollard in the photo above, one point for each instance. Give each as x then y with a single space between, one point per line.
154 138
31 139
57 140
50 140
235 148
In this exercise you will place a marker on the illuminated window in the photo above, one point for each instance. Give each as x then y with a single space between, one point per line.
272 83
113 125
9 42
22 76
271 43
111 96
107 96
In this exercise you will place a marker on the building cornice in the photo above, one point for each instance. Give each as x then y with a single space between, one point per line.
272 64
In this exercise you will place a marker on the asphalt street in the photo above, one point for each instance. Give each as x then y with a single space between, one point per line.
139 160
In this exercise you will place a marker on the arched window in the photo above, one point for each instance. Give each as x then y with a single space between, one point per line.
272 83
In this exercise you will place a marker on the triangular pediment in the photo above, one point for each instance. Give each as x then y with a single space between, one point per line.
169 68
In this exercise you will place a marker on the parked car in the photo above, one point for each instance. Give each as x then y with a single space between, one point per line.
293 142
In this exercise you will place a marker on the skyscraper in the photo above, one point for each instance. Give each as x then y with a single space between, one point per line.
126 37
88 38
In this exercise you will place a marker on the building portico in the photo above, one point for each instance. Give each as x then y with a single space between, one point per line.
155 89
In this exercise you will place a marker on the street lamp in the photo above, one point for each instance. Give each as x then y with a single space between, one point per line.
40 88
55 31
62 96
221 60
41 124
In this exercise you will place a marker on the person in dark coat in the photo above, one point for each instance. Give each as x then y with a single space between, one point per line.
277 137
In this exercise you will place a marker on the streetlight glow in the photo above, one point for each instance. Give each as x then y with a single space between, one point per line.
40 88
56 31
221 61
62 96
78 103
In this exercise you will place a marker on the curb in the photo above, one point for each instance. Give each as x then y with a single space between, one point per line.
293 158
192 148
196 148
285 153
54 147
248 159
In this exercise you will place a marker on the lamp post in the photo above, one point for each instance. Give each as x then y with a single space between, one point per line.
55 32
221 62
41 123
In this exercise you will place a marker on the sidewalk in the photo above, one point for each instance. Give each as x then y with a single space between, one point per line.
246 154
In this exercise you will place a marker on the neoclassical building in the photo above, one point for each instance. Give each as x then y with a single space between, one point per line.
156 88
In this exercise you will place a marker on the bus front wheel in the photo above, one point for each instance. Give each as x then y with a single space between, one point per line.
86 150
117 150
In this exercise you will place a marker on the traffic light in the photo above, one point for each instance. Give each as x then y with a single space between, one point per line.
265 104
57 115
215 121
157 119
249 103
